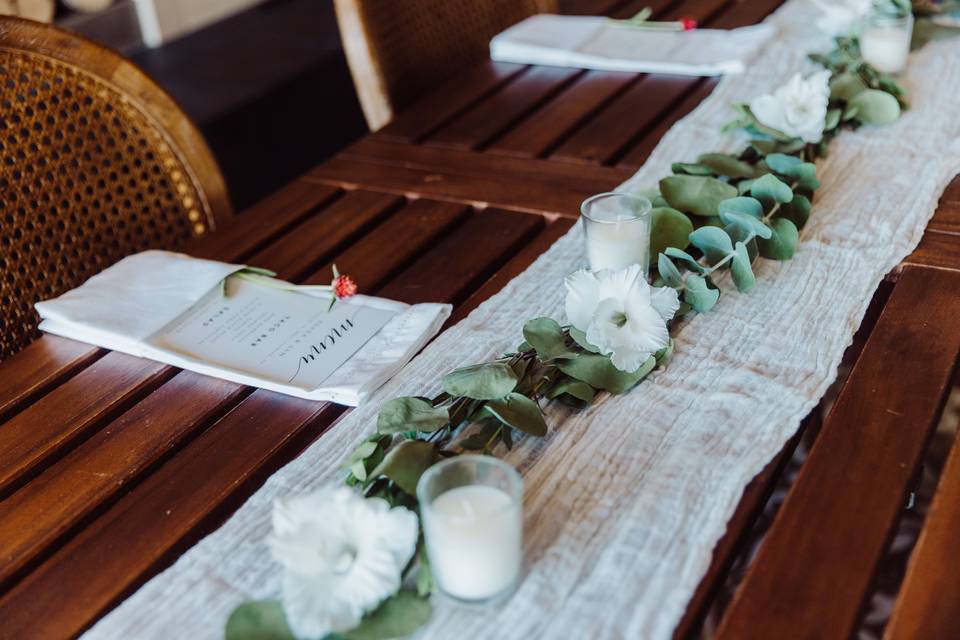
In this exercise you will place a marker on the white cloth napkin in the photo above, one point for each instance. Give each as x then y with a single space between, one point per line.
591 42
127 303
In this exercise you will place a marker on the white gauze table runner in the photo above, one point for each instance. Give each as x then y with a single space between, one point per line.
625 501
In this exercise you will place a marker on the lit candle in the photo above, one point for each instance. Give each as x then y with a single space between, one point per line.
617 231
885 42
471 512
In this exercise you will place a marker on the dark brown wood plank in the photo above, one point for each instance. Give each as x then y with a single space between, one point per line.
72 412
448 101
526 185
644 146
834 525
542 130
409 232
936 250
42 365
524 258
48 507
502 234
588 7
493 115
703 11
632 7
745 12
302 249
203 483
947 216
616 127
263 222
927 605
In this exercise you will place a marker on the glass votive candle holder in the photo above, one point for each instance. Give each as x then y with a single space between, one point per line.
617 231
471 507
885 40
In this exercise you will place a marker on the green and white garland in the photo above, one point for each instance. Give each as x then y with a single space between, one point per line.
716 213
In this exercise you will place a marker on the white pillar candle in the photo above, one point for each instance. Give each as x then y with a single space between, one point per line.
617 231
473 538
886 47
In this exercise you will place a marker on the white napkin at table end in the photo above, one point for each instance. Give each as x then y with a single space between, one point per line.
121 307
592 42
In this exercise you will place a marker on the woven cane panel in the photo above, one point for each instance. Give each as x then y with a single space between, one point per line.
85 179
419 43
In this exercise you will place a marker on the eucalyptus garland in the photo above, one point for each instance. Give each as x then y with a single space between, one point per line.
720 212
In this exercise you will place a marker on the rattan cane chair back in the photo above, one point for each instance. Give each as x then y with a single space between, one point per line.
96 162
399 49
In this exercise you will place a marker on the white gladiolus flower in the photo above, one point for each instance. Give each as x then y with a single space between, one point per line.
342 556
621 314
798 108
841 17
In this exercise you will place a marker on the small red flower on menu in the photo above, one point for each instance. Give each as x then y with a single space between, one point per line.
344 286
688 24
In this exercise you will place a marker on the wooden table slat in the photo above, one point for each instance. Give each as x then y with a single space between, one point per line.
616 127
928 605
493 115
449 100
936 250
834 524
745 12
87 479
525 185
71 412
570 108
302 249
263 222
41 366
634 158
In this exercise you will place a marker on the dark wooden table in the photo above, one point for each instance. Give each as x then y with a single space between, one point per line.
112 466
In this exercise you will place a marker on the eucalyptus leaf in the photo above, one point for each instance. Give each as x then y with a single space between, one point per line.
714 242
481 382
832 120
668 228
689 261
260 620
741 270
669 272
805 173
599 372
726 165
690 169
405 463
581 339
546 337
876 107
742 204
796 211
664 354
479 440
698 295
574 388
397 617
696 194
783 243
769 189
520 412
749 225
411 414
845 86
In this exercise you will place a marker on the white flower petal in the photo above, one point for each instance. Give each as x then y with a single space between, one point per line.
666 301
582 290
342 556
629 360
798 108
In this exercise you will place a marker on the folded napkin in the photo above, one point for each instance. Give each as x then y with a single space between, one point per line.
190 313
591 42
